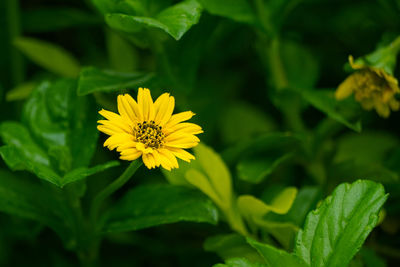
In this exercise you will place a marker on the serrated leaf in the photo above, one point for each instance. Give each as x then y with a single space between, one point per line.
49 56
335 231
175 20
152 205
276 257
93 80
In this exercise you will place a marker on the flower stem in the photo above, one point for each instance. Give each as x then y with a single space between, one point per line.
111 188
14 30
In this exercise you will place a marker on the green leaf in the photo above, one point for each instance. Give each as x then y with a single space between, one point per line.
268 142
368 147
335 231
324 100
21 92
238 10
94 80
231 246
29 200
83 172
253 207
240 262
306 200
213 177
152 205
256 169
122 56
241 121
58 137
300 65
62 122
175 20
45 19
22 153
276 257
49 56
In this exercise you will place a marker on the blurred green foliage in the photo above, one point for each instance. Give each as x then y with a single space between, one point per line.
276 180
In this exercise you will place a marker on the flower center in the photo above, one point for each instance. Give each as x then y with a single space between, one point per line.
149 134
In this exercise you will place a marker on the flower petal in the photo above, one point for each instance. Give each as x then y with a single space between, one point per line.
131 156
179 117
170 157
185 127
117 140
125 108
182 154
167 111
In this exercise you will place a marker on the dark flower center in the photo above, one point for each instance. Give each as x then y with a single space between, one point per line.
149 134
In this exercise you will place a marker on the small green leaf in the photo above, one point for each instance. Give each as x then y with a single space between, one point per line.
276 257
238 10
335 231
83 172
49 56
239 262
216 171
175 20
256 169
324 100
94 80
21 92
152 205
231 246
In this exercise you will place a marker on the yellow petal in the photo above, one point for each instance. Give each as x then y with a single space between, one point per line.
178 138
171 158
185 127
148 161
164 161
156 156
179 117
167 111
117 140
160 107
125 109
132 156
142 147
117 125
134 106
346 88
126 145
109 115
182 154
182 145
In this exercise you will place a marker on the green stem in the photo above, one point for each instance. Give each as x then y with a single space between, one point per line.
111 188
14 31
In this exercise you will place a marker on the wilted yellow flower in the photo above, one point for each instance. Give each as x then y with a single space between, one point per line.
148 129
372 87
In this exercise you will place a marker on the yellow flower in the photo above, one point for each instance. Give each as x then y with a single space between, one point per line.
372 87
148 129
